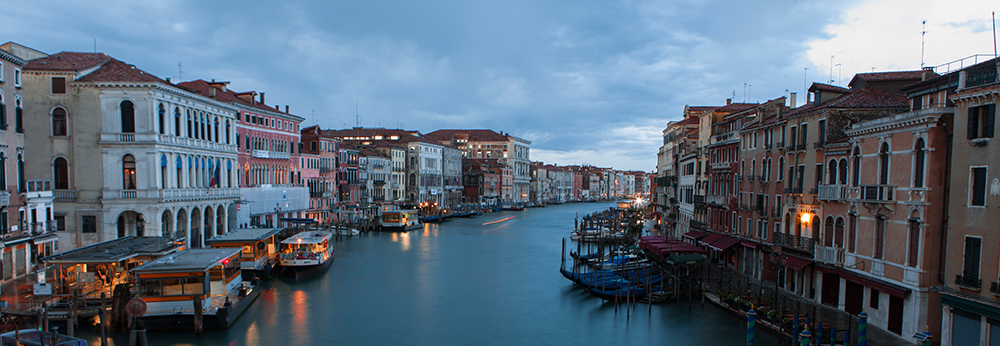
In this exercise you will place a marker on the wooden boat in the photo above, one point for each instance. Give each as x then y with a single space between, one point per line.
631 292
306 251
34 337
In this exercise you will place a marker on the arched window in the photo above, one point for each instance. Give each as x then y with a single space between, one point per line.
164 181
177 121
180 172
843 171
60 170
828 232
18 115
216 134
59 121
128 116
162 112
831 172
838 233
203 124
781 171
856 174
21 186
918 164
3 169
883 163
227 133
128 172
190 134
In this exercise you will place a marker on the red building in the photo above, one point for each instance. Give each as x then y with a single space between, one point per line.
320 156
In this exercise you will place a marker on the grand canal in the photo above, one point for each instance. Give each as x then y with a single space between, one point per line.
459 283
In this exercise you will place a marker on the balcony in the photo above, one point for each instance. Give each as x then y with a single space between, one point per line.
720 165
4 198
116 138
699 199
968 282
718 200
780 145
831 255
62 195
267 154
801 147
832 192
995 288
794 242
790 148
316 194
981 75
762 178
767 146
874 193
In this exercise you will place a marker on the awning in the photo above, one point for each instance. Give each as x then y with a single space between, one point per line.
970 306
48 238
296 220
693 235
748 244
723 243
690 258
880 285
653 215
796 263
708 240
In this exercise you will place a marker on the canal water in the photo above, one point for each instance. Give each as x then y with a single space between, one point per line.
459 283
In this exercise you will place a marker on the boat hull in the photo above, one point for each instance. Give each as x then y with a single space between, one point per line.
305 268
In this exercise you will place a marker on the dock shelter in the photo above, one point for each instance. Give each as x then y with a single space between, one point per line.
175 286
259 249
97 268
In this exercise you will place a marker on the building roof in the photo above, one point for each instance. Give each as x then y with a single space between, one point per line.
370 134
117 71
476 135
68 61
688 121
116 250
201 87
189 260
815 87
736 107
869 98
888 76
244 235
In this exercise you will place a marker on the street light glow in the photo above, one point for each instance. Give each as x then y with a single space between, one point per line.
805 218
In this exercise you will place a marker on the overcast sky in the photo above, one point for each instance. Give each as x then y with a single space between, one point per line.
590 82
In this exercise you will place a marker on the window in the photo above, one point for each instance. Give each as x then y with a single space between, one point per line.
973 246
838 233
822 132
843 171
17 78
59 121
981 121
873 299
883 164
1 71
832 172
60 170
977 192
3 113
914 246
20 174
162 117
128 116
128 172
18 115
856 174
177 121
88 223
781 172
851 232
60 221
804 133
918 164
58 85
879 236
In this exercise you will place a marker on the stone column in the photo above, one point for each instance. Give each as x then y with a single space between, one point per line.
225 218
187 228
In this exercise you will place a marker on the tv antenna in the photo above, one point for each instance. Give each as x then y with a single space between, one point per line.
357 116
923 32
831 69
179 74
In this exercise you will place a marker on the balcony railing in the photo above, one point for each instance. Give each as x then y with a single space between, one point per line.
981 75
832 255
801 147
4 198
127 194
995 288
790 148
699 199
62 195
267 154
718 199
762 178
875 193
780 145
832 192
767 146
968 281
739 178
794 242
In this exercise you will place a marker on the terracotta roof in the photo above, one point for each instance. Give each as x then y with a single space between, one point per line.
118 71
68 61
736 107
688 121
950 77
889 76
701 108
869 98
200 87
828 87
469 135
370 152
404 136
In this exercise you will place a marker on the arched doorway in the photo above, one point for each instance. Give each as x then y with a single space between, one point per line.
182 224
166 221
195 228
208 219
220 213
130 223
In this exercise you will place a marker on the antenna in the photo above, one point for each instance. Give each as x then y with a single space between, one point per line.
357 116
840 71
179 74
994 34
805 88
95 45
923 32
831 69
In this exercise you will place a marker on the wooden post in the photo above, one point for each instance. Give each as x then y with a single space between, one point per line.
45 317
197 316
104 320
71 324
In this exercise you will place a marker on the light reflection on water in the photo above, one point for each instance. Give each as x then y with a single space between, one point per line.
459 282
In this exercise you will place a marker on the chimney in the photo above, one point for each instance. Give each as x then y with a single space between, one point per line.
729 102
262 98
211 91
286 109
791 100
168 80
928 73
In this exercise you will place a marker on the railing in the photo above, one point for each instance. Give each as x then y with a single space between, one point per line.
995 287
762 211
61 195
718 199
744 206
767 146
875 193
720 165
4 198
801 147
126 137
762 178
171 139
267 154
315 194
832 255
794 241
198 193
968 281
127 194
832 192
790 148
981 75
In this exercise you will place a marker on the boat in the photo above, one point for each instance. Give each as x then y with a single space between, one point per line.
588 257
346 231
398 220
35 337
305 252
632 292
259 257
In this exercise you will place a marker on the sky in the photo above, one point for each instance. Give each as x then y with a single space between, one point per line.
587 82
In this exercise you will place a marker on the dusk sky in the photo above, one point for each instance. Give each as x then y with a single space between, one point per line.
590 82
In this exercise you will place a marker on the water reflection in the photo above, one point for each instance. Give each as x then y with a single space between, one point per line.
300 317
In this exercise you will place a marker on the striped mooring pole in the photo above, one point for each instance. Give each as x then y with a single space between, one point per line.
819 332
751 322
863 329
795 328
833 335
804 338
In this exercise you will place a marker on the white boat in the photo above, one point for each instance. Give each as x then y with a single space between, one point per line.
399 220
34 337
346 231
306 251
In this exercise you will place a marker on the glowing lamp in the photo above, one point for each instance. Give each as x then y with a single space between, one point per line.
805 218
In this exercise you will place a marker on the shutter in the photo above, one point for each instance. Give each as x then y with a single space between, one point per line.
994 332
973 123
991 111
7 258
965 328
19 261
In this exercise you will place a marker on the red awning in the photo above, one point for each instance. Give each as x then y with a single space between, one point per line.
706 241
723 243
693 235
880 285
796 263
748 244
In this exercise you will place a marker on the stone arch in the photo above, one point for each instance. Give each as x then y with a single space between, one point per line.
130 223
196 228
220 220
166 223
208 222
183 225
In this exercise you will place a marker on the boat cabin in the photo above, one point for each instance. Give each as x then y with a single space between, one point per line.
97 268
171 283
259 249
395 219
